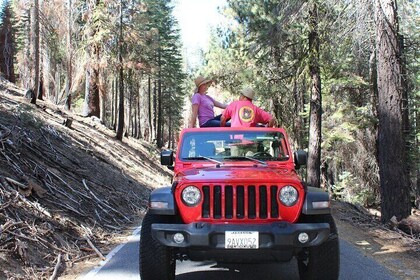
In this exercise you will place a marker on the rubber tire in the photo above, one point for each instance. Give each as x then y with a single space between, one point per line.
323 261
156 260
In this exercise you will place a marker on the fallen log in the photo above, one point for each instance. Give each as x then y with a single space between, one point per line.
94 248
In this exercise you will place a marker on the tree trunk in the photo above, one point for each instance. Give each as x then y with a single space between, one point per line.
92 106
418 189
134 122
139 134
35 48
26 73
7 46
120 127
103 98
116 102
149 97
314 153
170 132
58 83
49 72
127 107
129 103
41 83
154 114
159 135
112 102
417 142
394 179
67 104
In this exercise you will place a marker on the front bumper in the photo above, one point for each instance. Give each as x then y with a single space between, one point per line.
212 236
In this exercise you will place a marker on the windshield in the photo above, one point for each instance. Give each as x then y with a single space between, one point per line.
234 145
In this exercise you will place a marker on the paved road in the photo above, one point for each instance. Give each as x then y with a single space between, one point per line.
122 263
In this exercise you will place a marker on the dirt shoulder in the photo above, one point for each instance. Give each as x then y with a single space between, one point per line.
396 250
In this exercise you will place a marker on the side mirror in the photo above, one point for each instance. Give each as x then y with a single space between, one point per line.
300 157
167 158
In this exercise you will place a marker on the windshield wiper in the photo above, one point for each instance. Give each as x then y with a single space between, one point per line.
201 157
248 158
257 160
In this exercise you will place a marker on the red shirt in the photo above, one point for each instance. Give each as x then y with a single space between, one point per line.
245 114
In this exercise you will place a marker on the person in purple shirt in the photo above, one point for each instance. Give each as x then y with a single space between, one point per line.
203 105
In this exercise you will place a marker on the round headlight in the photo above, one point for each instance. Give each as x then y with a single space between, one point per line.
288 195
191 196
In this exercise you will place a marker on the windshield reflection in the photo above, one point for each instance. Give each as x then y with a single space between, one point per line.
234 145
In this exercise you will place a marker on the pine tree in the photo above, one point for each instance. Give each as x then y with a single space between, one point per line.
7 44
395 186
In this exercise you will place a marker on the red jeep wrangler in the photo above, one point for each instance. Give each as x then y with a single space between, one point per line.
236 197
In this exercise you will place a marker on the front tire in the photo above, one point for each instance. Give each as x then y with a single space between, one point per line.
156 260
323 261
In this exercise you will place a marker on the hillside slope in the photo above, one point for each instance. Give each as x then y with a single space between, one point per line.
64 191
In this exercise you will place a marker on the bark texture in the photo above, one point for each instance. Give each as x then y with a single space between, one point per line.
314 155
394 180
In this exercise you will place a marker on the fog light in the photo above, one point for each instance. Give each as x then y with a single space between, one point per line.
303 237
178 238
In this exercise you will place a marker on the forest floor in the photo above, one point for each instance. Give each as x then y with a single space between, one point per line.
68 195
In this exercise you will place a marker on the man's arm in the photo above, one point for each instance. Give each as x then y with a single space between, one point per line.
222 121
265 118
194 115
272 122
226 115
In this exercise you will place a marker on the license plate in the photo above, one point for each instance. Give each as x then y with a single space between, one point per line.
241 239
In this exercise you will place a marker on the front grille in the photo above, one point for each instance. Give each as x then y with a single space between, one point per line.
236 202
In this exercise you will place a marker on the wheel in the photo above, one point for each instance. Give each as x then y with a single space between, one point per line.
323 261
156 260
262 154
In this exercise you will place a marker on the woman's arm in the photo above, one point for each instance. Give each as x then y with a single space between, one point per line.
219 105
194 115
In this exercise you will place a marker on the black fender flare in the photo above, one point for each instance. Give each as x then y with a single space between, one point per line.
316 195
162 202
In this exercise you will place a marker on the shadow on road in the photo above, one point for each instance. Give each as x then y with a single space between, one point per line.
215 271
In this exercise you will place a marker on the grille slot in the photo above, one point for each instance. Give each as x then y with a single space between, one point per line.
206 202
274 204
228 202
251 202
263 202
217 205
239 202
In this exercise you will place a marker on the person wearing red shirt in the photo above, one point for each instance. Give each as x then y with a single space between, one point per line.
243 113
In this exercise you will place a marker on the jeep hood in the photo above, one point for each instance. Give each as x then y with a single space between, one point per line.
251 174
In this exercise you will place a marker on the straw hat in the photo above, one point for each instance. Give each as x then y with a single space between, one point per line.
248 92
200 80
